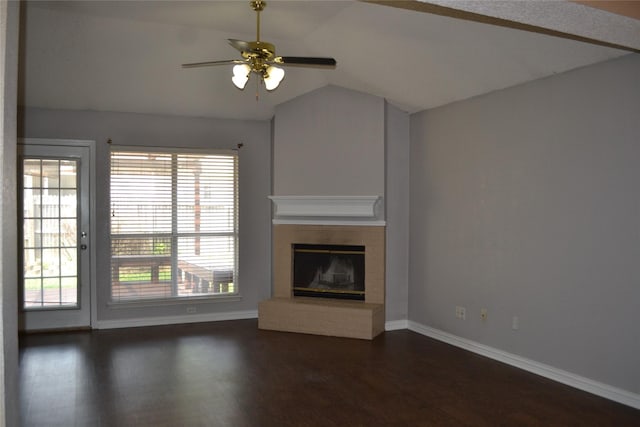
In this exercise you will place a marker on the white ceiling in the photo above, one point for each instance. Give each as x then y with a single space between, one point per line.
126 56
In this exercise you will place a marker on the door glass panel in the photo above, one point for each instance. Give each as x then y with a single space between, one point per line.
31 238
33 292
32 264
31 173
51 174
32 199
69 232
50 262
68 174
69 261
51 294
50 204
69 287
68 203
50 233
50 230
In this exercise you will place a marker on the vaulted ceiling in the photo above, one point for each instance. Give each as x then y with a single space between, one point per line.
126 56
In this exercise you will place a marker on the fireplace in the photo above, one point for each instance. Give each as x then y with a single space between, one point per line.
358 317
328 271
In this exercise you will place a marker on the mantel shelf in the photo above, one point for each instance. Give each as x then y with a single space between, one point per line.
325 206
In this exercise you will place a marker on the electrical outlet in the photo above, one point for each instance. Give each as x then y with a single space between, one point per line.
483 314
461 313
191 310
515 323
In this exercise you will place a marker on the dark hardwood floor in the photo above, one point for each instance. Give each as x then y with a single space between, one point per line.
232 374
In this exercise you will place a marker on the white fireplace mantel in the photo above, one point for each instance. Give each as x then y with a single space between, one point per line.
326 209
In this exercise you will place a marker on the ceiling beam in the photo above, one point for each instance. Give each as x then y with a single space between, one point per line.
630 8
565 19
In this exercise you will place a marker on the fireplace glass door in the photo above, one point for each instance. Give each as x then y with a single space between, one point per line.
329 271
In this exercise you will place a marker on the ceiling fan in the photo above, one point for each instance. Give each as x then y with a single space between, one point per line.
259 57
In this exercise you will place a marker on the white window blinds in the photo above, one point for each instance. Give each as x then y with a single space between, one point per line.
174 224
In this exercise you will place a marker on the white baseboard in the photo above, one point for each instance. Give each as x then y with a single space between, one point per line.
555 374
394 325
172 320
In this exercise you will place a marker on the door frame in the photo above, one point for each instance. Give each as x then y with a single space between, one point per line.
91 146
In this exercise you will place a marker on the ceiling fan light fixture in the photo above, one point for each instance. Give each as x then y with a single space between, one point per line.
241 75
273 77
259 57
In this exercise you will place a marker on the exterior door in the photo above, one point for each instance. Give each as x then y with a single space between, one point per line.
54 193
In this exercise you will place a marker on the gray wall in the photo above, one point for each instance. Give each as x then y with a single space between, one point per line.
169 131
329 142
9 17
397 212
525 202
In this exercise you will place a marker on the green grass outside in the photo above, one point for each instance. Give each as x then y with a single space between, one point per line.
35 284
144 276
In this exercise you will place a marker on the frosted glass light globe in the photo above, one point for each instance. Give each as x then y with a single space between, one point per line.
241 75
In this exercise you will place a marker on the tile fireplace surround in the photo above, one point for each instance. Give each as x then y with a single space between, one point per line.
325 316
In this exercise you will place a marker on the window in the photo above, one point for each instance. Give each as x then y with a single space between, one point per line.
174 224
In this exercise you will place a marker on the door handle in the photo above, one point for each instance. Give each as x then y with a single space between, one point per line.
83 247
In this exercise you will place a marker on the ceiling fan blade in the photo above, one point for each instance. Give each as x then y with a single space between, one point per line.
306 61
211 63
241 45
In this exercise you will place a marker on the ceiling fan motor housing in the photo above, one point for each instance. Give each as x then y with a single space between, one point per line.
264 50
259 54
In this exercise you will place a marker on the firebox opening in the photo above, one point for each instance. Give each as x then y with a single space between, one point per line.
328 271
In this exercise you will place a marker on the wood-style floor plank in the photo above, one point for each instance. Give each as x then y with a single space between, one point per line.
232 374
